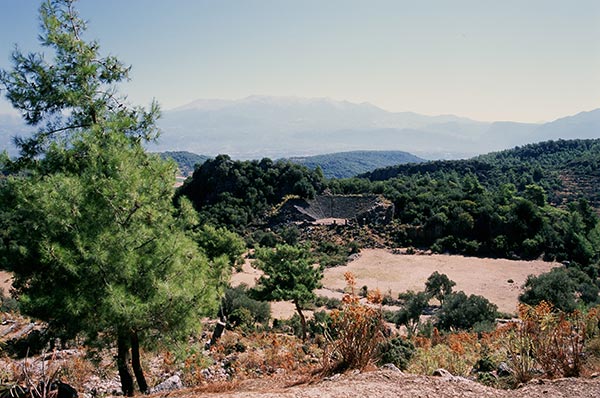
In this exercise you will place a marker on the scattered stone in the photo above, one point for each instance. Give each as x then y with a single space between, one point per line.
503 370
171 384
392 367
442 373
353 257
536 381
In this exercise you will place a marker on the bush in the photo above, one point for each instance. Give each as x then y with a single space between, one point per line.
412 309
241 310
397 351
462 312
8 303
319 324
328 302
289 234
563 288
550 340
265 238
353 247
331 254
358 331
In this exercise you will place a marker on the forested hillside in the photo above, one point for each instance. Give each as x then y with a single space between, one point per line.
567 170
532 201
186 161
502 204
349 164
236 193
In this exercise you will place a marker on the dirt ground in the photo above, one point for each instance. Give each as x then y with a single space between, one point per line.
379 268
389 383
5 282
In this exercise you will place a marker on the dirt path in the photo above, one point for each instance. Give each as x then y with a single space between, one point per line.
387 384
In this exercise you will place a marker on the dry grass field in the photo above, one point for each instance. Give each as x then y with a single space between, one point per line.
379 268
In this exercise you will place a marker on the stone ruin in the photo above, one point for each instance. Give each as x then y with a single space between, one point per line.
336 209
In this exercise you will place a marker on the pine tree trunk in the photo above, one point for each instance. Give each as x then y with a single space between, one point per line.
122 364
136 364
302 319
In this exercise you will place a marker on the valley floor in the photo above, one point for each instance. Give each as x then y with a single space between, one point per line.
498 280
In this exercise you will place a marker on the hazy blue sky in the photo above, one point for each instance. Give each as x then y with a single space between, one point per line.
524 60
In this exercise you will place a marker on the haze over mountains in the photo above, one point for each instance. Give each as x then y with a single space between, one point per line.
259 126
264 126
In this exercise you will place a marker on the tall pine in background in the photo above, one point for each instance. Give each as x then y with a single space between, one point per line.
89 230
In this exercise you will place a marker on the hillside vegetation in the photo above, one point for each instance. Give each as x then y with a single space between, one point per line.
529 202
238 193
186 161
350 164
567 170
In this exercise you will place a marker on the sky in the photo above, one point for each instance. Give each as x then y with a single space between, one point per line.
525 60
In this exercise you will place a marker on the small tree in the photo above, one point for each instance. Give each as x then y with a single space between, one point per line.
289 274
462 312
439 286
412 309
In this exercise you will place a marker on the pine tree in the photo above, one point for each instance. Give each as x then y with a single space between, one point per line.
89 227
289 274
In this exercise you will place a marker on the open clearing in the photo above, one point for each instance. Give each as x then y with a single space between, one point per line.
379 268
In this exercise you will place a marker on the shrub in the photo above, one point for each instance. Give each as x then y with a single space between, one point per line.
8 303
265 238
462 312
289 234
319 324
241 310
553 341
454 357
412 309
439 286
358 330
397 351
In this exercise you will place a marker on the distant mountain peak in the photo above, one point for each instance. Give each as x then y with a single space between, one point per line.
208 104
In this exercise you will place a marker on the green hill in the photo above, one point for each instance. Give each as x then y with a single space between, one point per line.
349 164
566 169
539 200
186 161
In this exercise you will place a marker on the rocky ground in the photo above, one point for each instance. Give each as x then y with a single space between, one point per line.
387 383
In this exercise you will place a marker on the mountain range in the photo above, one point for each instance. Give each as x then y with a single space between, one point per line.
263 126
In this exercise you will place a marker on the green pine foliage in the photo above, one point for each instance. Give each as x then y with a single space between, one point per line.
289 274
89 229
